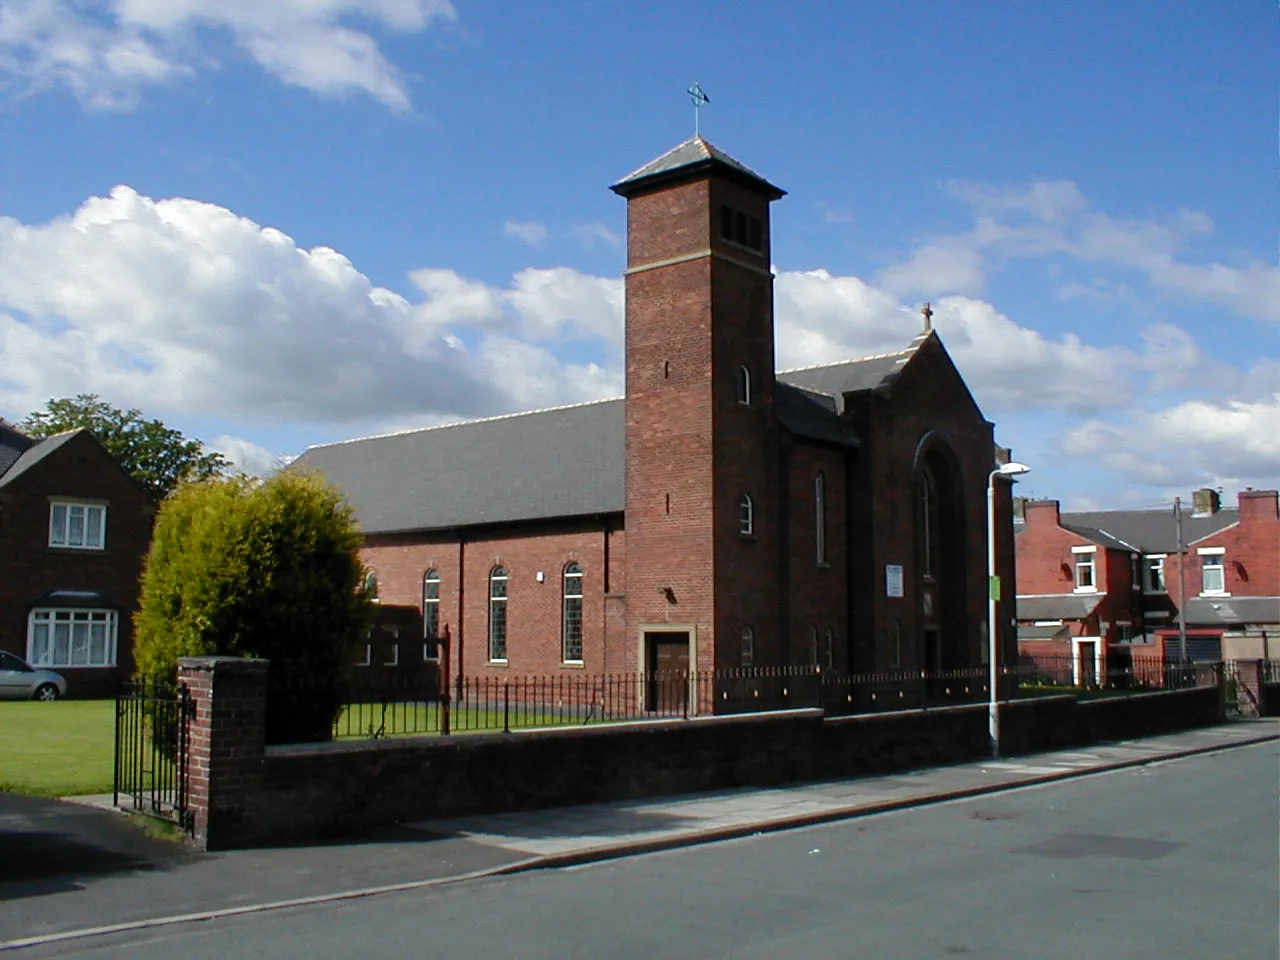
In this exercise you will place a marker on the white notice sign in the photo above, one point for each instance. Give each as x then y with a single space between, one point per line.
893 579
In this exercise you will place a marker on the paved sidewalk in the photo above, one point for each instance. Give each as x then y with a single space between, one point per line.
110 874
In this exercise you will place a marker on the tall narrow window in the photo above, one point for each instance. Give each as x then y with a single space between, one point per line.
498 614
895 642
748 647
813 646
746 516
572 627
1214 573
924 522
430 615
744 386
829 649
820 517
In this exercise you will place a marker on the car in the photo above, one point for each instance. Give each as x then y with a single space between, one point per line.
21 681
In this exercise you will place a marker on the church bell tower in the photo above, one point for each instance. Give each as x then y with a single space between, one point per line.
703 543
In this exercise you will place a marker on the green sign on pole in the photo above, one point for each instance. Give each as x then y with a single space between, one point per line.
993 584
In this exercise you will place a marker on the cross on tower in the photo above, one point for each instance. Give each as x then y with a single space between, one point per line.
927 312
698 98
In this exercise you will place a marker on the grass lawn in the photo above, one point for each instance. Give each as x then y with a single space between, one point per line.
57 749
358 721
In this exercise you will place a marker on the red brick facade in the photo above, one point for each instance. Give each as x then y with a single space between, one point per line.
1251 548
79 470
676 566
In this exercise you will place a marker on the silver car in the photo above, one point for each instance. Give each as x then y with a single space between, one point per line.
21 681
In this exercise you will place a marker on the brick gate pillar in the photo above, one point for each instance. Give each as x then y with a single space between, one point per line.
227 744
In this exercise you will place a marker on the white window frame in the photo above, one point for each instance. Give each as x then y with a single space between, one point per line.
498 575
1217 554
1085 557
68 509
1153 563
41 654
746 516
571 577
431 610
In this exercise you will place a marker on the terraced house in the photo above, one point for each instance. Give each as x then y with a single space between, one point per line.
1127 583
721 514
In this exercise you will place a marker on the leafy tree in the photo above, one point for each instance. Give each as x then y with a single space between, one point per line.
271 569
158 457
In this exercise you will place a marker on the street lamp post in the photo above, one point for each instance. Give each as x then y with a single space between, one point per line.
1008 470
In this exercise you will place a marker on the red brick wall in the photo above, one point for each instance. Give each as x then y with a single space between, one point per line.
817 595
1252 558
81 470
929 405
534 609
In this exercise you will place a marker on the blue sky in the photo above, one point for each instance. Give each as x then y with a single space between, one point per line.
280 223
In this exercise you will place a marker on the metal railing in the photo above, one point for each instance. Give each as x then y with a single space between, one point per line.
152 741
415 704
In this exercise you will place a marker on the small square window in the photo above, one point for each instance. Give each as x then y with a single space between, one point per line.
80 526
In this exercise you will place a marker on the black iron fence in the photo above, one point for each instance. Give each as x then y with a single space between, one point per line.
152 741
373 706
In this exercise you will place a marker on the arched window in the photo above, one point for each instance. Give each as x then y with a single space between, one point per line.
748 647
371 585
744 386
820 516
746 516
812 653
430 614
571 632
498 614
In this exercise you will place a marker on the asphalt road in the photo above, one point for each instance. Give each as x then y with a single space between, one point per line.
1172 860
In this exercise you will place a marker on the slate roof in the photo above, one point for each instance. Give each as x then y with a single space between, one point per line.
1233 611
35 453
557 463
1147 531
1057 606
12 444
852 376
694 155
1042 633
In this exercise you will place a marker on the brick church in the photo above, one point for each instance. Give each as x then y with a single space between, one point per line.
721 515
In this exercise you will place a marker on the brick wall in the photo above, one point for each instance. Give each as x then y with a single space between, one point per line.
244 794
1252 567
534 608
80 470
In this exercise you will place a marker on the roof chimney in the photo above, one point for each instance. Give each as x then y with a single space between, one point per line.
1205 502
1040 511
1019 509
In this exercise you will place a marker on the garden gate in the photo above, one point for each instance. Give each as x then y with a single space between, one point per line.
152 745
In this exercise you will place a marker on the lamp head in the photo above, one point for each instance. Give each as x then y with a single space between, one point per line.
1013 469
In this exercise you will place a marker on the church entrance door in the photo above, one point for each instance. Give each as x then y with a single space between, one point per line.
667 671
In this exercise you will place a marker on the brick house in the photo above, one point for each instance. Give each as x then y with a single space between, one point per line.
720 515
74 531
1102 584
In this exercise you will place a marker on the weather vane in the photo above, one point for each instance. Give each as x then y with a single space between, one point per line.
698 98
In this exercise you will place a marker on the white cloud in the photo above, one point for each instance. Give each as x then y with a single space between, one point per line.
255 460
594 234
1228 443
180 305
106 52
1053 218
528 232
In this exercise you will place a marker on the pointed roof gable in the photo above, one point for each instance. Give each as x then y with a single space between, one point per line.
37 452
691 158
